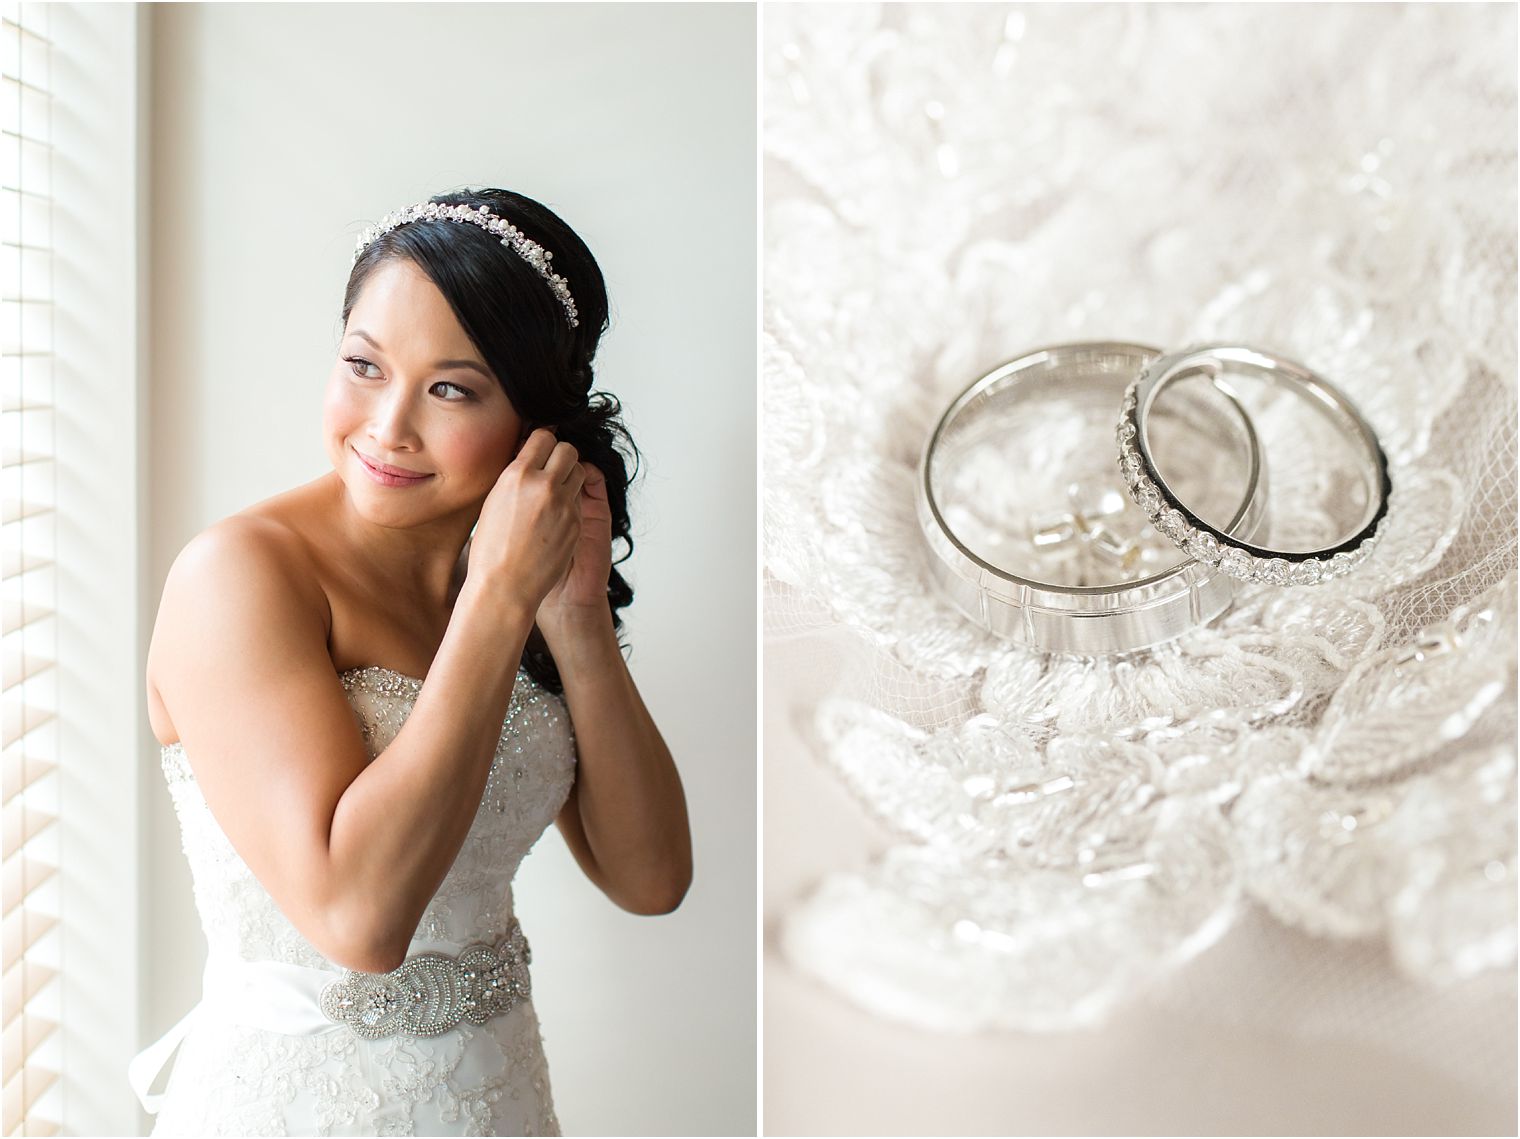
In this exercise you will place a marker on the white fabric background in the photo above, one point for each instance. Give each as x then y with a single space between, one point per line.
279 132
950 185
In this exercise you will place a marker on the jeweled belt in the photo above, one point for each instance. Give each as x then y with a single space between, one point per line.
431 993
427 994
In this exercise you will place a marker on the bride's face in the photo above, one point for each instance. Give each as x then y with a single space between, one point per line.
416 425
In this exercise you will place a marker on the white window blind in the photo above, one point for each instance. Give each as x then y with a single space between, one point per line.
29 1000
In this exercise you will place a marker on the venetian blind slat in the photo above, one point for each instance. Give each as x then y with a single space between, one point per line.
28 874
17 666
19 770
19 984
21 1092
20 930
22 824
19 614
22 721
15 509
22 875
15 561
21 1038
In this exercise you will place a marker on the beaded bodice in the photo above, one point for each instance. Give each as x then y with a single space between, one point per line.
530 777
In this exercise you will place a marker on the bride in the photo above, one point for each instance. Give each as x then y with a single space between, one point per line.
376 690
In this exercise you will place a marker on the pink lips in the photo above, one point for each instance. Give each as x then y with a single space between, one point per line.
387 475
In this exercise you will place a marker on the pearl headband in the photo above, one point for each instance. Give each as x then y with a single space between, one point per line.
512 237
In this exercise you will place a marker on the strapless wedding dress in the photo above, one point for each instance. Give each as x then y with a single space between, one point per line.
259 1056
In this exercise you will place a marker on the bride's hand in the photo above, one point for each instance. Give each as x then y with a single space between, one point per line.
530 521
581 591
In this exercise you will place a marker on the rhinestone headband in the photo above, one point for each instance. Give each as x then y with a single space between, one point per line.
512 237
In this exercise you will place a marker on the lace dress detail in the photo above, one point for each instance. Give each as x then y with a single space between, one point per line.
490 1079
948 186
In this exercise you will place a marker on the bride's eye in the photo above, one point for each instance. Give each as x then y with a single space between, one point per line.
355 363
464 393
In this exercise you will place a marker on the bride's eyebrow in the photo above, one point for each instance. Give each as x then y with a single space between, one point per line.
438 365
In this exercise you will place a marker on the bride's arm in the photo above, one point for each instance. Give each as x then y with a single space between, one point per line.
350 851
625 820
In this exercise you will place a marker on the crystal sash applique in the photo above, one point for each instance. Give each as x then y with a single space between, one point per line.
430 993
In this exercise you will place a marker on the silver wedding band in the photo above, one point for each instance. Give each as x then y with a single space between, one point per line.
1232 552
1091 619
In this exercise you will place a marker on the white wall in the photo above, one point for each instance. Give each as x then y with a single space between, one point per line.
279 131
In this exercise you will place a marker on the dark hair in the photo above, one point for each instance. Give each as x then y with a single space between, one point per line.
520 328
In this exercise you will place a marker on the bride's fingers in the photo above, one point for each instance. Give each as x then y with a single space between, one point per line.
595 481
561 462
537 448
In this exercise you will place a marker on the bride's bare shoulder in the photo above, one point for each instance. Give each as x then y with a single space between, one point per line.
260 559
270 539
252 544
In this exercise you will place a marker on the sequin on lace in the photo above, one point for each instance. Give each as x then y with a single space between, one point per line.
475 1078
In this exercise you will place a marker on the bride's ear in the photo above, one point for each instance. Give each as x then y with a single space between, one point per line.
522 437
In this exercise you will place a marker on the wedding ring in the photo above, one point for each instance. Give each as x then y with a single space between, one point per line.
1046 550
1363 496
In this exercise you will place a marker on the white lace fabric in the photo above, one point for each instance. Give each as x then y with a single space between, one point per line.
490 1079
948 186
